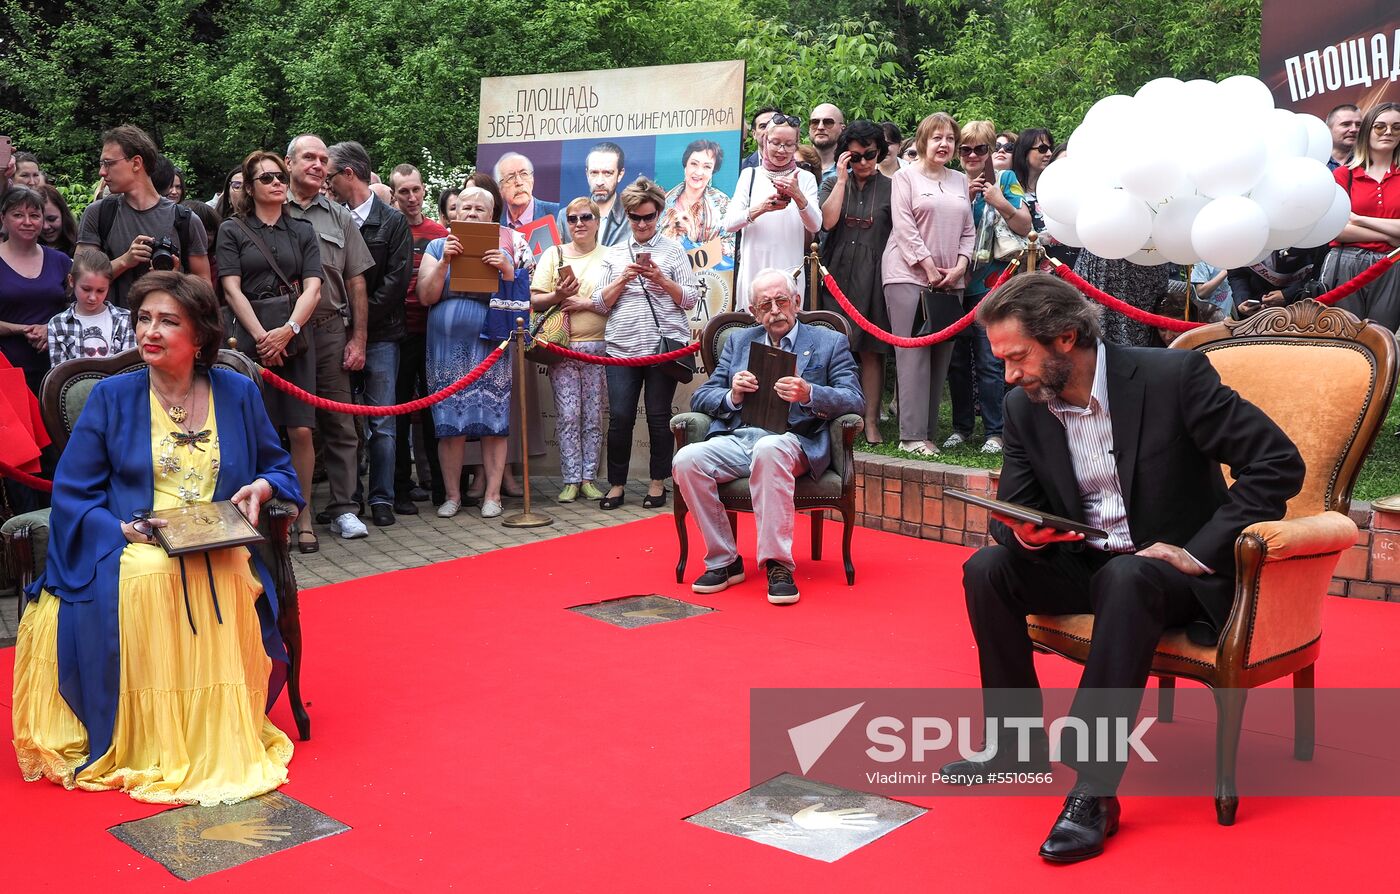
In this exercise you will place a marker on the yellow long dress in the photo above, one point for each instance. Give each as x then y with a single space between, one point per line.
191 724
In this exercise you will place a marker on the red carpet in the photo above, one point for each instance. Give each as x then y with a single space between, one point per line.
477 736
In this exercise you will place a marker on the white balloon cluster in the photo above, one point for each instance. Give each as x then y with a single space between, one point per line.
1193 171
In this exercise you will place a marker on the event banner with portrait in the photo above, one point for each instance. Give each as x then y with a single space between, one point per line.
590 134
1316 57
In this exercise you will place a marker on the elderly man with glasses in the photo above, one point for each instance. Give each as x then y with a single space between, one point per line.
825 385
515 175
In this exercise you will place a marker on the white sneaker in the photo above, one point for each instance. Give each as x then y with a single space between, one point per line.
490 509
954 440
349 527
448 508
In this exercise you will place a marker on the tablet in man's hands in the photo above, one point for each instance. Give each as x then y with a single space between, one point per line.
1026 514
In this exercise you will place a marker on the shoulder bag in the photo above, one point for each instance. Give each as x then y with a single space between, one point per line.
272 310
682 369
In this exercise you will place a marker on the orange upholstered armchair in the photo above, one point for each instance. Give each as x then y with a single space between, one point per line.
1327 379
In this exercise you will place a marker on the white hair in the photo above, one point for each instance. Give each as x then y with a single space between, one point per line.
496 171
479 193
767 273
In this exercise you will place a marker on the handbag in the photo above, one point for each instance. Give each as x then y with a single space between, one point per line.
1006 244
682 369
937 311
553 327
272 310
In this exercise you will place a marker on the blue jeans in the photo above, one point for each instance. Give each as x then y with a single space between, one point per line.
973 359
381 381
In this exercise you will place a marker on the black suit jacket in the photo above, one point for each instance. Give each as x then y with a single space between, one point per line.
1174 425
390 243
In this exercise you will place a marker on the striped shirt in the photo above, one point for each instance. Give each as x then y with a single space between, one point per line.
1089 433
631 330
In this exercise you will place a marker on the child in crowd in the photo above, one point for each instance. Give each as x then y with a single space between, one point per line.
91 326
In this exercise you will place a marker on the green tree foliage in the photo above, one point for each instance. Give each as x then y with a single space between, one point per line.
214 80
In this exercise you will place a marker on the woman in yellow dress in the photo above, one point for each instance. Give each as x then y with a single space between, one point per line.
135 670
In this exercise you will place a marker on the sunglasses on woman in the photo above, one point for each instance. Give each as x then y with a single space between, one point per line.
979 149
586 217
781 120
867 155
266 177
1005 147
1379 128
910 153
642 218
1043 149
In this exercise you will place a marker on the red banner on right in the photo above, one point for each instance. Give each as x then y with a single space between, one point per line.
1316 57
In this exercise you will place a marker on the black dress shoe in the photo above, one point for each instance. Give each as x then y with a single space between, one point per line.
612 502
1083 826
404 506
383 514
654 501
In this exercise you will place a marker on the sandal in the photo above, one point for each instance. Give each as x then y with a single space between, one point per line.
612 502
918 448
304 547
654 501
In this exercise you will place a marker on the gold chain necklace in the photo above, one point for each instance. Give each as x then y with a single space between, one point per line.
177 412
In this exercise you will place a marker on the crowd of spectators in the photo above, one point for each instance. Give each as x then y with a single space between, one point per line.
910 229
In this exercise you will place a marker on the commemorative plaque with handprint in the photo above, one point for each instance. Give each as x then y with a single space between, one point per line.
195 841
204 526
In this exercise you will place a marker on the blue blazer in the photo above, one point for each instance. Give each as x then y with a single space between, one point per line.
823 358
103 478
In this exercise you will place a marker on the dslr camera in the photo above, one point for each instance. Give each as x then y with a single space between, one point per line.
163 253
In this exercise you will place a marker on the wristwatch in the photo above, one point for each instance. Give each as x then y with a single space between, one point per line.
295 327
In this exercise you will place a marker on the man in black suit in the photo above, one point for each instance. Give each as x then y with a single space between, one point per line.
1130 441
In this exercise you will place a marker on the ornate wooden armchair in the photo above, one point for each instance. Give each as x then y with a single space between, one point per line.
26 537
1327 379
836 489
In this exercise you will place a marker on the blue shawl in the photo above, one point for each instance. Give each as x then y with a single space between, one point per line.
103 478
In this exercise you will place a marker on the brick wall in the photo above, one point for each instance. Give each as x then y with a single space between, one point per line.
906 497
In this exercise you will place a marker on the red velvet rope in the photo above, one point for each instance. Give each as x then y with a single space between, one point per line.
1365 277
421 403
649 360
890 338
1362 279
1123 307
23 477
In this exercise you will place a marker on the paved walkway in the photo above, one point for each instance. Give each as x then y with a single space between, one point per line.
417 540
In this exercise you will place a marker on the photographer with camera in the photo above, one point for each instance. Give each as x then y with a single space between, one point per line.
137 227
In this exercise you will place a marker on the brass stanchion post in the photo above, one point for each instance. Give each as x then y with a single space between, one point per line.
526 518
814 275
1030 258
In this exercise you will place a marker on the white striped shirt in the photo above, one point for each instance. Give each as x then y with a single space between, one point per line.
1089 433
631 331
